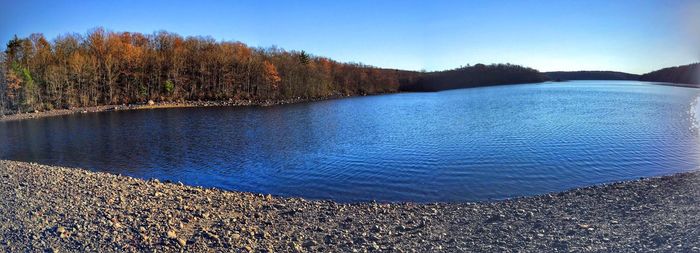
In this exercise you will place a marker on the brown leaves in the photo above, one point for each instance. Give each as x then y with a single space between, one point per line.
14 83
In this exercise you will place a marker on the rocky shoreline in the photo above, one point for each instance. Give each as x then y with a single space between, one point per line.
48 208
160 105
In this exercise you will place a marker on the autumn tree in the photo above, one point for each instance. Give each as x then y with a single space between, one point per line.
272 78
106 67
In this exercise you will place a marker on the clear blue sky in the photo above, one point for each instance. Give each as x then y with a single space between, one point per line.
633 36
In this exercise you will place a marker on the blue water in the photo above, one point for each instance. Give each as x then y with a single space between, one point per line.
459 145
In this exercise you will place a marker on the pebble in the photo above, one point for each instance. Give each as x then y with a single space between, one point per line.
230 221
309 243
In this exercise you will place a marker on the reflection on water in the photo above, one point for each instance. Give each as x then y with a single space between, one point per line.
460 145
695 113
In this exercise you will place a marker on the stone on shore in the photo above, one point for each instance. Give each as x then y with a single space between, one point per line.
47 208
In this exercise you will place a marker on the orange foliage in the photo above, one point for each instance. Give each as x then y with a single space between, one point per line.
271 74
13 85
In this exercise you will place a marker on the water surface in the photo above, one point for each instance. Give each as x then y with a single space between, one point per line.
460 145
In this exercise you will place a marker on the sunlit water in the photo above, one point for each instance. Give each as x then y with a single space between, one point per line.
459 145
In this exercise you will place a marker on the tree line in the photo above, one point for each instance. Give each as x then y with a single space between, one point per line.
686 74
590 75
104 67
474 76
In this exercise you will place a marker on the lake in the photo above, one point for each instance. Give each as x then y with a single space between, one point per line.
452 146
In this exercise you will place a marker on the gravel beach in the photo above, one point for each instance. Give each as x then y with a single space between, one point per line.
55 209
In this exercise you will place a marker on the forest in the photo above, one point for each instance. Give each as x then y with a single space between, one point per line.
686 74
590 75
474 76
104 67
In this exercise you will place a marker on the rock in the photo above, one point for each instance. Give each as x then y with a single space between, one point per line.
328 239
309 243
171 235
374 246
150 102
296 247
243 220
496 218
211 235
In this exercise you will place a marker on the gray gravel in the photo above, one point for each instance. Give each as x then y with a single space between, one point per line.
46 208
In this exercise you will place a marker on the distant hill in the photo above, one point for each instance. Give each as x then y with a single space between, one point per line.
590 75
474 76
686 74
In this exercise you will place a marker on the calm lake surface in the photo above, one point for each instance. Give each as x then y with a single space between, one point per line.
460 145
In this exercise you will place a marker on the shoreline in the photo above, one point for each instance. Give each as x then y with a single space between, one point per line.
165 105
230 102
682 85
51 208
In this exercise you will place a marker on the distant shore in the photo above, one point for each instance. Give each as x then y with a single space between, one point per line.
685 85
213 103
56 209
